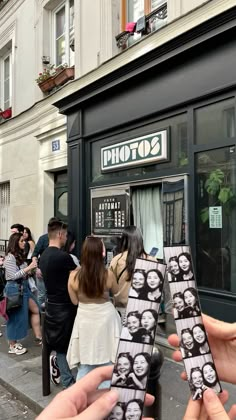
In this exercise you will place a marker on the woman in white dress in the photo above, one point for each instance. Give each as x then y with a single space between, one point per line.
97 325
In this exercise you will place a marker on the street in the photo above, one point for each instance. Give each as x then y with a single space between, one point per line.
11 408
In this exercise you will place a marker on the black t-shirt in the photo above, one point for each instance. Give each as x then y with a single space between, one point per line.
56 265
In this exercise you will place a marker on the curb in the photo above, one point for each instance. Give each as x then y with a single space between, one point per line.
31 404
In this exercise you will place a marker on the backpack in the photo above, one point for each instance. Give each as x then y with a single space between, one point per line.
2 282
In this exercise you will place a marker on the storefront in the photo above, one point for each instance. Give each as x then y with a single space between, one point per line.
153 144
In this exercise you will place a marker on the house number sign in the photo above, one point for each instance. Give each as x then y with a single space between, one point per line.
139 151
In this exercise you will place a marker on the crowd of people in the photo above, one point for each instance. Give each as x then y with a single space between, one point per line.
55 281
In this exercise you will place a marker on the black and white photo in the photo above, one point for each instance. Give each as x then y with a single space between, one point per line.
140 326
193 337
185 300
138 283
132 365
130 405
201 374
179 263
147 281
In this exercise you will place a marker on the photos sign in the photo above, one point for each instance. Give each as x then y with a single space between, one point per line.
139 151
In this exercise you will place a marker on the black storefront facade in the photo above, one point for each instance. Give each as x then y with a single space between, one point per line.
154 143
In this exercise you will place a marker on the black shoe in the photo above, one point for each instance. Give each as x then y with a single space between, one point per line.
54 370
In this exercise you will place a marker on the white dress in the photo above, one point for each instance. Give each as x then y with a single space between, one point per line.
95 335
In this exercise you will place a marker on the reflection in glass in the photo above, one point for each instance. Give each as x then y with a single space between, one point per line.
216 214
215 122
63 204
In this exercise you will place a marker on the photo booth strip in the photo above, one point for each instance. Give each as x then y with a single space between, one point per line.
194 345
135 348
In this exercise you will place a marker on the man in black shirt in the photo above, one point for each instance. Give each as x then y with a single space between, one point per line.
56 265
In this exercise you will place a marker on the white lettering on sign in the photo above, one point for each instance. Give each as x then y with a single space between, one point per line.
145 149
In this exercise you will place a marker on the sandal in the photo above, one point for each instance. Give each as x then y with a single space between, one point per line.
38 341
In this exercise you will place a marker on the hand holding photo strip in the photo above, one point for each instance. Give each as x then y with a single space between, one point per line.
194 345
134 352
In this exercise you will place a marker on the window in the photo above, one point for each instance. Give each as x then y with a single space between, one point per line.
63 18
216 212
132 10
215 122
5 81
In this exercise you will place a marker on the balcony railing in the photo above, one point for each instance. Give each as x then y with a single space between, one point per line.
152 22
2 3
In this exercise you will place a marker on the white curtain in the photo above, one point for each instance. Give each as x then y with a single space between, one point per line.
146 203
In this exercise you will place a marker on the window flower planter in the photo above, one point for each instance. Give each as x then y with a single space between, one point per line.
63 76
6 114
47 85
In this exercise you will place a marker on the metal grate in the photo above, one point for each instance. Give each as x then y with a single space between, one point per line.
5 194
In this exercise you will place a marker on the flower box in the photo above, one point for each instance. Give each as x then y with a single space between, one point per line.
63 76
6 114
47 85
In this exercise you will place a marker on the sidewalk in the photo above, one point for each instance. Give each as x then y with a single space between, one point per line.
22 376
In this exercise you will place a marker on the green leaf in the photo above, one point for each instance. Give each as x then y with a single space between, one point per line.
225 194
204 215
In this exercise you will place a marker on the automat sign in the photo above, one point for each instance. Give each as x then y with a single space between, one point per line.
139 151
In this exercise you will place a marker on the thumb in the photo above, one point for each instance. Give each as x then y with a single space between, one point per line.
101 408
214 408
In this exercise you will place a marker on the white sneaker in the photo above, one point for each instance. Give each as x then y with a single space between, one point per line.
17 349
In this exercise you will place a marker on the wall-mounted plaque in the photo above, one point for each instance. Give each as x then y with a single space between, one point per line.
109 214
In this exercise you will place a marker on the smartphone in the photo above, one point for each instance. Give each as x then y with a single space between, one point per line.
153 252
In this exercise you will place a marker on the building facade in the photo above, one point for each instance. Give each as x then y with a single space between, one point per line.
149 118
153 143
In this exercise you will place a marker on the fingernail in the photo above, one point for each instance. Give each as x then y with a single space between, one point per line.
112 396
209 395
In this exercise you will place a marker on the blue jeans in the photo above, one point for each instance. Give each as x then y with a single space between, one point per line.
67 379
41 291
84 369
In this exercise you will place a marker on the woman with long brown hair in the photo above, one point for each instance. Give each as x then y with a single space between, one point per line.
97 325
17 271
122 265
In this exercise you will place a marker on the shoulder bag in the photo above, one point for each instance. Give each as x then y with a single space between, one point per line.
14 294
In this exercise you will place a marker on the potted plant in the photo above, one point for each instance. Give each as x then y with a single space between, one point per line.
45 79
220 191
63 74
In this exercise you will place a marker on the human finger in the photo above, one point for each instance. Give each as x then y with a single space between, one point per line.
219 328
101 408
173 340
213 405
177 356
196 410
232 412
93 396
92 380
193 410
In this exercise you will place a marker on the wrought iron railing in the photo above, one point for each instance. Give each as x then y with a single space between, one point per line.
2 3
159 14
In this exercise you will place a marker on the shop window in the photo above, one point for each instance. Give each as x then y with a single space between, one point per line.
215 122
5 81
63 33
216 216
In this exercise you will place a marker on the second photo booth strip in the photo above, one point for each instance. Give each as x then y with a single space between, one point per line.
194 345
137 338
